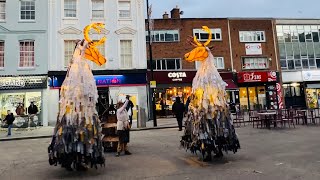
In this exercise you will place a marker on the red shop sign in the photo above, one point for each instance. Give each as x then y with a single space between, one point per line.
257 76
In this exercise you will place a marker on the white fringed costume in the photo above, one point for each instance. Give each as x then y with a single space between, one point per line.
76 141
209 127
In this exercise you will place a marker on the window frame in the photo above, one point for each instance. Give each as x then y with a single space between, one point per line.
255 37
92 9
2 57
254 58
121 54
164 61
64 9
164 32
20 5
4 10
214 32
119 10
66 65
26 51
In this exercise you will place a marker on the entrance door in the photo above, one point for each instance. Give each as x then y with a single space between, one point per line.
103 102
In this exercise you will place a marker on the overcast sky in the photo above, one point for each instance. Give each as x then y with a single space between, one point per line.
239 8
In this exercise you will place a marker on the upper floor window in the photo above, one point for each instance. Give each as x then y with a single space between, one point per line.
97 9
2 10
255 63
203 36
27 10
126 54
167 64
26 53
1 54
164 36
218 62
70 8
69 46
252 36
124 9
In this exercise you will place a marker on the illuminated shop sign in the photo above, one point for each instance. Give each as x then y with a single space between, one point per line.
23 82
177 76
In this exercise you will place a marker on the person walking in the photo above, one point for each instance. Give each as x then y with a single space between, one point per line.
129 109
163 107
178 109
9 120
123 128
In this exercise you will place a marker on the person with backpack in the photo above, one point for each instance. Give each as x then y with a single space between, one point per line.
9 120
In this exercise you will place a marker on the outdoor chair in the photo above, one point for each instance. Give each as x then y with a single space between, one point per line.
288 117
239 119
278 119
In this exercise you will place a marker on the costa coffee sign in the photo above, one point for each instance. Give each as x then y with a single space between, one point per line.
177 76
259 76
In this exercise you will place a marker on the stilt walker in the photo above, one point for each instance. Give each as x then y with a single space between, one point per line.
76 142
209 127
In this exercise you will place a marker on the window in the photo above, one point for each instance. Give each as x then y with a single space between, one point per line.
69 46
98 9
252 36
219 62
26 53
164 36
2 10
1 54
126 53
124 9
203 36
27 10
255 63
70 8
167 64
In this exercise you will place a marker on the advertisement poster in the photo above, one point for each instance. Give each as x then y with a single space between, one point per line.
312 98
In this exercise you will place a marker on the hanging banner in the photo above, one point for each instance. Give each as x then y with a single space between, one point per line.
280 96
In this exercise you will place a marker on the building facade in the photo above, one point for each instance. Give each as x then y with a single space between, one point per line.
125 70
245 55
299 49
23 57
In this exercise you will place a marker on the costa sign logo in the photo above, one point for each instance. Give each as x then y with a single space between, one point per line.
177 74
260 76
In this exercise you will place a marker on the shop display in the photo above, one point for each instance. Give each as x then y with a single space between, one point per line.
76 142
209 127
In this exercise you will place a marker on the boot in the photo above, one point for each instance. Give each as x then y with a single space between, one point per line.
127 153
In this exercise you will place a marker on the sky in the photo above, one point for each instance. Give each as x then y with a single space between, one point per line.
239 8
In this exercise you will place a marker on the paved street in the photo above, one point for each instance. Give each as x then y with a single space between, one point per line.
276 154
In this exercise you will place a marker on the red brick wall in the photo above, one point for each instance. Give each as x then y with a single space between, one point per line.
185 27
238 48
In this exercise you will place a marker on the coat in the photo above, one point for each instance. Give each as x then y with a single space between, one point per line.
122 117
33 109
178 109
9 119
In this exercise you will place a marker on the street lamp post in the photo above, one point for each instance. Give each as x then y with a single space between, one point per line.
151 90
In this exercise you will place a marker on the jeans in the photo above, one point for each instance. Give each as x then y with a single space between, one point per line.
9 129
180 119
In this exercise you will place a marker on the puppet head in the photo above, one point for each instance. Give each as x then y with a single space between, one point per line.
92 52
200 52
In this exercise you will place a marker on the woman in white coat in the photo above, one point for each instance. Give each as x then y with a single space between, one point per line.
123 128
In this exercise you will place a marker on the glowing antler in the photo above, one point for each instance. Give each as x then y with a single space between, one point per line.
206 29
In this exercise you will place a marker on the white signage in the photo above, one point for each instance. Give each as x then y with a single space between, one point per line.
177 76
311 75
253 48
8 81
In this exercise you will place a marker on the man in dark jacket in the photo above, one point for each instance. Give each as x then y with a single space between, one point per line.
9 120
32 109
178 109
129 109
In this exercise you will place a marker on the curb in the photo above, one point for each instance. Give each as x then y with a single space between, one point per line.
49 136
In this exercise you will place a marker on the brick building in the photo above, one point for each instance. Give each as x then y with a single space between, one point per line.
241 47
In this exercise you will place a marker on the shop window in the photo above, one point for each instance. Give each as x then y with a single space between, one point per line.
70 8
164 36
124 9
69 46
203 36
255 63
1 54
313 98
167 64
26 53
2 10
27 10
126 53
252 36
97 9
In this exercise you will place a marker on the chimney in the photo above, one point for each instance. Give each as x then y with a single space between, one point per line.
175 13
165 15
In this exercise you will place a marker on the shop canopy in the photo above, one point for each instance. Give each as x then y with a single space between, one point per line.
231 84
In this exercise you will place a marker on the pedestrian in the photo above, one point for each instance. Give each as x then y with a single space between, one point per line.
129 109
178 109
9 120
32 109
163 108
123 128
20 110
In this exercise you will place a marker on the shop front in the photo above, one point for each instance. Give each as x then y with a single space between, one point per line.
259 90
312 88
112 88
172 84
15 90
294 89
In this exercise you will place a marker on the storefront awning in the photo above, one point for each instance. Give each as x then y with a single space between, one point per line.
231 84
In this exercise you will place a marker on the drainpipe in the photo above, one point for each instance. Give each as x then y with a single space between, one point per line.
230 46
